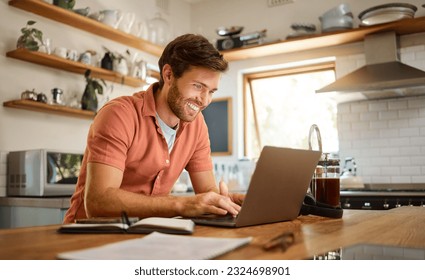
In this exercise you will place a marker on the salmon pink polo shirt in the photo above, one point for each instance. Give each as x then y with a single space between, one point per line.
125 134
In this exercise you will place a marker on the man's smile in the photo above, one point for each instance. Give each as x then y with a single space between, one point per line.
193 106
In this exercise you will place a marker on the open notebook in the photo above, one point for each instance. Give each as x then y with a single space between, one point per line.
276 190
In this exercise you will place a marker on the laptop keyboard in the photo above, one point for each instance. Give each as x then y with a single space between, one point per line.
212 217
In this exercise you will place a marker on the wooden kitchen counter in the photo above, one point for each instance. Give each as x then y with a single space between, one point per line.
313 235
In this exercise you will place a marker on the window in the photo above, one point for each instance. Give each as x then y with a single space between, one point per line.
280 106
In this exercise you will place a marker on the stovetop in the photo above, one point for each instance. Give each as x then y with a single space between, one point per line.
387 189
387 192
383 196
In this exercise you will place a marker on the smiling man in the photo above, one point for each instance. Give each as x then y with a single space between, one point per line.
138 145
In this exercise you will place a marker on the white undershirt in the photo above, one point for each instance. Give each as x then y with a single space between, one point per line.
169 133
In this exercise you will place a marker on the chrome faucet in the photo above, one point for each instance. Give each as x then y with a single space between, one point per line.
315 128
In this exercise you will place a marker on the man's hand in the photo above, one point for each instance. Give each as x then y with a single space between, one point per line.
208 199
209 203
235 197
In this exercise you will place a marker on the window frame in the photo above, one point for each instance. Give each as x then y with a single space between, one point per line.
246 87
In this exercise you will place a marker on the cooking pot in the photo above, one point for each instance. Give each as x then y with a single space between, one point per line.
338 18
29 95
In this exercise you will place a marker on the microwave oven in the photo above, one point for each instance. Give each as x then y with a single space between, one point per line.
42 172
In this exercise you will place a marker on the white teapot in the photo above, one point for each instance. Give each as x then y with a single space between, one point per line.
111 17
120 65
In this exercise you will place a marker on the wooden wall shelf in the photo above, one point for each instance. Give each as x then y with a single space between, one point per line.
47 108
401 27
73 66
70 18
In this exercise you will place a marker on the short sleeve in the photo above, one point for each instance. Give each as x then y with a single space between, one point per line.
111 134
201 158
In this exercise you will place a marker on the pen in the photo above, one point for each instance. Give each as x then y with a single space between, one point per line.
125 219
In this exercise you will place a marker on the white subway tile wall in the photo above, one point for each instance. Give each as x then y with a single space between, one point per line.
386 137
3 173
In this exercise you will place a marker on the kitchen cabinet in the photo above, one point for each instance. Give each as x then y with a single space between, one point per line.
28 211
329 39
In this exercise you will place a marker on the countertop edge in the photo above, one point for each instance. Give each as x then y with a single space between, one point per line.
41 202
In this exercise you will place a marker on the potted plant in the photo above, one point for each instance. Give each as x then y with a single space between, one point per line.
66 4
93 87
31 38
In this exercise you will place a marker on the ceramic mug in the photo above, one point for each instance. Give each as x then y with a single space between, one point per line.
72 55
61 52
111 17
85 58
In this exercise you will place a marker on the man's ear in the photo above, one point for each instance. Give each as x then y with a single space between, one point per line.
167 73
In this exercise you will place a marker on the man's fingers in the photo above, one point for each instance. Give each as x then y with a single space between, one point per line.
224 190
226 203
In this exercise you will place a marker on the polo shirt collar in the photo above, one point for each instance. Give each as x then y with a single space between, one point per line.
149 108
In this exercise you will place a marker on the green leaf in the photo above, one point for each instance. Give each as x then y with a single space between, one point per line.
31 45
97 86
31 22
39 35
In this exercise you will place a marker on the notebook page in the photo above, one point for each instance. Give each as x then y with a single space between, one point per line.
160 246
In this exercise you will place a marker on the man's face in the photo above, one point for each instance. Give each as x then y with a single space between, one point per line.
192 92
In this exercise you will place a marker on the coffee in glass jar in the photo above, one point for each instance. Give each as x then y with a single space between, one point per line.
327 183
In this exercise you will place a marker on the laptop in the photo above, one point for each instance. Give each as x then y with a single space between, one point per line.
276 190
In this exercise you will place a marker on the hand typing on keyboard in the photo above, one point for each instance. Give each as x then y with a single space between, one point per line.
211 202
235 197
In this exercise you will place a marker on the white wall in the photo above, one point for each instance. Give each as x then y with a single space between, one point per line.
386 137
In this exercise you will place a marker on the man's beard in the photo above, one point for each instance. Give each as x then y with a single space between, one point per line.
178 105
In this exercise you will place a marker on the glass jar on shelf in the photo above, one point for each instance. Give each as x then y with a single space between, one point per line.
159 30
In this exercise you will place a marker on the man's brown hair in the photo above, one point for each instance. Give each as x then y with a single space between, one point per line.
190 50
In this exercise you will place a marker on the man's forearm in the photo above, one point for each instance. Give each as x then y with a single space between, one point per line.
112 202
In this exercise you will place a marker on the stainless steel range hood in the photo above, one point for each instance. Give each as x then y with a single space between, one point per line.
383 76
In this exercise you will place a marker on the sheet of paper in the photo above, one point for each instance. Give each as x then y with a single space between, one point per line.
160 246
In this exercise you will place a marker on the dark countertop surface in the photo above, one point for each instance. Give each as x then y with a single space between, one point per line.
42 202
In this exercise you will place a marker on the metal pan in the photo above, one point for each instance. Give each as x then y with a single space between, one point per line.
229 31
387 13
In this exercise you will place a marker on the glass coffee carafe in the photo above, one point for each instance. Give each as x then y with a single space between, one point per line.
326 181
325 184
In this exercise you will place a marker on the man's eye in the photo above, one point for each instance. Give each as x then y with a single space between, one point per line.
198 86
